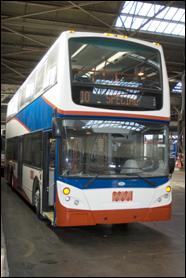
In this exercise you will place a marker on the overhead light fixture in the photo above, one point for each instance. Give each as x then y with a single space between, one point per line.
140 73
108 61
79 50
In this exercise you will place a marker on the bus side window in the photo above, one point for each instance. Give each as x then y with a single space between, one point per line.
22 97
40 78
51 69
30 90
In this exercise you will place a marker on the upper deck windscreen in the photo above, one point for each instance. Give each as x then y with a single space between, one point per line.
115 74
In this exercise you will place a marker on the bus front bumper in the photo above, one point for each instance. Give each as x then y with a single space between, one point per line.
74 217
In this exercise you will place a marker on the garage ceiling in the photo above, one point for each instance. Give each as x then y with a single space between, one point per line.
29 28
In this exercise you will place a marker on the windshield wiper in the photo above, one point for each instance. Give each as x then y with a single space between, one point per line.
138 175
91 181
145 179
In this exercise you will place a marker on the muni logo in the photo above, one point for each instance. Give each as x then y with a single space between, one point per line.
122 196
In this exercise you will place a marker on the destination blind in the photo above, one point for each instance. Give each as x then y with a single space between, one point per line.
111 98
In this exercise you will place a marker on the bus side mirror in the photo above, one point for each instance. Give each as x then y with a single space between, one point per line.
56 127
171 164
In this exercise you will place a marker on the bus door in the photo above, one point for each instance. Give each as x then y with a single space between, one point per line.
20 161
49 144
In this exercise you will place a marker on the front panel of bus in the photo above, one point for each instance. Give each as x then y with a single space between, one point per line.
113 158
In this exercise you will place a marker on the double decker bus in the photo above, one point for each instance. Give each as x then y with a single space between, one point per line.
87 132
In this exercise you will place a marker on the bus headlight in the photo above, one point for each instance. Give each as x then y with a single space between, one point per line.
66 191
168 188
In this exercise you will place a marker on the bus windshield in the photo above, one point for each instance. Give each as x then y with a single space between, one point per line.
110 148
115 74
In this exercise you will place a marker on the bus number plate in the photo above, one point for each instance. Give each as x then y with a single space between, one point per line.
122 196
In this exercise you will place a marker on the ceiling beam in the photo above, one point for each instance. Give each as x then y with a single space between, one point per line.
10 68
51 11
55 26
20 47
14 62
62 26
91 15
105 12
22 35
34 36
21 52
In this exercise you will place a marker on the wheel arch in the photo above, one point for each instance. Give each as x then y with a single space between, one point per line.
35 186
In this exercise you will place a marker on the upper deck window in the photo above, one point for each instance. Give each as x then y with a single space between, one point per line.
115 74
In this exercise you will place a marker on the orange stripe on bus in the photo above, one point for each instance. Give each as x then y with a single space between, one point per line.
92 113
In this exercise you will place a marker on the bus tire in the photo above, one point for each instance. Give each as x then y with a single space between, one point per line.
37 199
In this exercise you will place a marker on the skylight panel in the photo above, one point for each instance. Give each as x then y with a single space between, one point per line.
163 13
183 18
137 23
139 7
128 5
151 11
146 26
179 16
157 8
171 13
133 8
154 25
169 20
178 29
145 10
170 28
127 21
162 27
119 22
182 33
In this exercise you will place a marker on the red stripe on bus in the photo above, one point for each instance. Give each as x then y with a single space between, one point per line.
91 113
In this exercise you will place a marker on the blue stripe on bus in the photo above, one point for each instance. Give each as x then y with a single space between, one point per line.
110 118
38 115
113 183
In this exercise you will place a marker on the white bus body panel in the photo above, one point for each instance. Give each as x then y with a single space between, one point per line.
28 180
101 199
15 128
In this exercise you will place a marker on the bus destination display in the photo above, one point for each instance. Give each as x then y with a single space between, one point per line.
88 97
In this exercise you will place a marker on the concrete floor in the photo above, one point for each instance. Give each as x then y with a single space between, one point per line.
137 250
